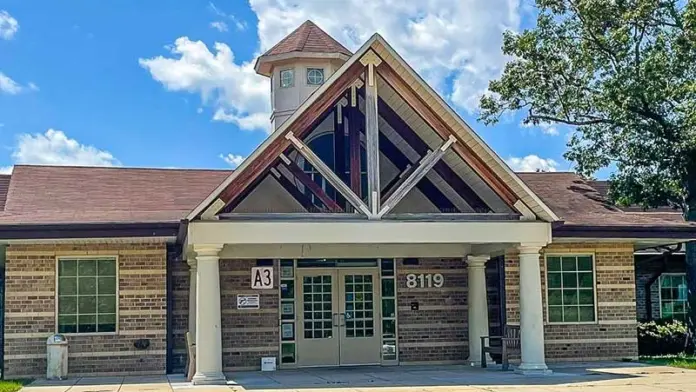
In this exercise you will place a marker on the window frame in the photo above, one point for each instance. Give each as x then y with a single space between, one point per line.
659 288
592 255
57 294
323 76
280 78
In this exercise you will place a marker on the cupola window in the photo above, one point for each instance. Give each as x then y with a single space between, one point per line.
287 78
315 76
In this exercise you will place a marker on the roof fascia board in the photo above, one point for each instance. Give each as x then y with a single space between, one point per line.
281 130
88 230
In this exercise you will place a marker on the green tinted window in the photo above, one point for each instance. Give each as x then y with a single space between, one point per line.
570 289
87 300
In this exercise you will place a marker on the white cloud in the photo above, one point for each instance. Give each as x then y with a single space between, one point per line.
55 148
233 160
239 24
444 40
219 26
237 93
8 25
6 169
532 163
9 86
545 128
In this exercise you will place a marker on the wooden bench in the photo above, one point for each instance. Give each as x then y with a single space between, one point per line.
510 341
191 357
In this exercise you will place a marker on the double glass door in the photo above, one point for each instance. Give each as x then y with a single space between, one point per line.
338 318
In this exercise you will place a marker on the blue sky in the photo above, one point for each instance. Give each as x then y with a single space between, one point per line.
143 83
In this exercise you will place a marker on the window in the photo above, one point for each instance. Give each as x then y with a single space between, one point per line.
570 289
287 78
323 147
87 290
673 303
315 76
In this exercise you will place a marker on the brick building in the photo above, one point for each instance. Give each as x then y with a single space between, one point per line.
373 226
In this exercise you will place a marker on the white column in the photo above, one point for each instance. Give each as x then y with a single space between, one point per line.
477 303
531 311
192 297
208 330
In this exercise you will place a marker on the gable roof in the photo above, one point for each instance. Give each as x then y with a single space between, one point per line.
578 203
307 38
473 142
64 194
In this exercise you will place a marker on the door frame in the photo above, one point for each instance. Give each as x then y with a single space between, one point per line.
285 281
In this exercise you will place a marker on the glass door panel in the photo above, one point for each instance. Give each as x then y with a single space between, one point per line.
360 344
318 323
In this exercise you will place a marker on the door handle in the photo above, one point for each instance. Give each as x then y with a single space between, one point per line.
342 319
334 319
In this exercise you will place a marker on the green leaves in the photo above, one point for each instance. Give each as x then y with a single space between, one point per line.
623 74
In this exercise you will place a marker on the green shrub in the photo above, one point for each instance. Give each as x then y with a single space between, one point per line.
663 337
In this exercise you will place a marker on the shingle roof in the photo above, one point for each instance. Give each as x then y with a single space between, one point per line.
65 194
60 194
308 38
577 202
4 186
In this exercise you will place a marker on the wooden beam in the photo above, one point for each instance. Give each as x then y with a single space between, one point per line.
370 60
329 175
411 98
354 148
300 126
340 149
396 181
289 187
308 182
410 181
441 168
425 185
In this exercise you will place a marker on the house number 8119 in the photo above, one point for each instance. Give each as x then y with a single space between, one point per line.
424 280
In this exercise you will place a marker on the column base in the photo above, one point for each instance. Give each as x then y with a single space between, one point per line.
214 378
533 369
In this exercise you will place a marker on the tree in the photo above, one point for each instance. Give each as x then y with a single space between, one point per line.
622 73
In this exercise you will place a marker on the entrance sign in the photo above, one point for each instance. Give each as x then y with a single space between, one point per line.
424 280
248 301
262 278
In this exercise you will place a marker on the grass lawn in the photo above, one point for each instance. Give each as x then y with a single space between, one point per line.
680 361
12 385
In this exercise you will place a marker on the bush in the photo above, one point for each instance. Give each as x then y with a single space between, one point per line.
663 337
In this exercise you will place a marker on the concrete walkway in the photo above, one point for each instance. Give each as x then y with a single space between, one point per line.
596 377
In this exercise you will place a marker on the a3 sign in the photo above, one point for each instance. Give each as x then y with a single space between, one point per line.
262 278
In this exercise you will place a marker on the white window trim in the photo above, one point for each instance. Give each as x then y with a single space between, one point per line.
118 295
546 288
323 76
280 78
659 286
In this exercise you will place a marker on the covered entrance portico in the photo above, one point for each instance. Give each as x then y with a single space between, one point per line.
352 250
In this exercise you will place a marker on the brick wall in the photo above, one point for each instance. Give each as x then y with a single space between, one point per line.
180 311
614 334
30 307
647 267
247 334
438 330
